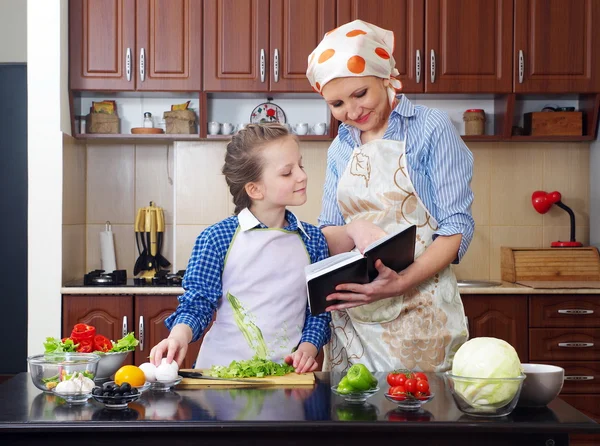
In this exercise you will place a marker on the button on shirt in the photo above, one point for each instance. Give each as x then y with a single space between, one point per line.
202 280
439 164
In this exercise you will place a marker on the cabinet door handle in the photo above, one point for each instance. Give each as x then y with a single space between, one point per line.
578 378
432 66
141 332
125 331
142 65
128 65
521 66
276 65
576 311
262 65
418 66
576 344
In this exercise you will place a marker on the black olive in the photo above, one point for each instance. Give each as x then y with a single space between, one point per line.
126 387
126 393
134 391
97 391
109 386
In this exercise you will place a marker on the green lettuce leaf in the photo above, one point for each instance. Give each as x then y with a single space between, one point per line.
255 367
125 344
55 345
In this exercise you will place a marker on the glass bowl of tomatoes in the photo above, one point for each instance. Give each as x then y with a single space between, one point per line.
408 390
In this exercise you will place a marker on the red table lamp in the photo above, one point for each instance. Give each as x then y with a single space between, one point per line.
542 202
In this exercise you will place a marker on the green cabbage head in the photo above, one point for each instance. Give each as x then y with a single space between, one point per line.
486 358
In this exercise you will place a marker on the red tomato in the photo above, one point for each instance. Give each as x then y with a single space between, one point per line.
422 395
420 376
396 379
397 390
102 343
411 385
422 386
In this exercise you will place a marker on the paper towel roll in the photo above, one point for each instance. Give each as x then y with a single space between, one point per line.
107 250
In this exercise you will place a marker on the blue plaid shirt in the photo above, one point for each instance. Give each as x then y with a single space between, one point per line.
203 285
439 164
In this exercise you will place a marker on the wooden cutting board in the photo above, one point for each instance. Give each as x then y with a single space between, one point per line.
566 284
289 380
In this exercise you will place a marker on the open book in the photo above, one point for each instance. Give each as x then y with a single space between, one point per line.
396 251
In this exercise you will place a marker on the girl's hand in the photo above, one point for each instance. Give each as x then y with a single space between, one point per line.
175 346
303 359
363 233
387 284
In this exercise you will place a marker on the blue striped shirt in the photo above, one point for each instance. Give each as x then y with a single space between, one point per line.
439 164
203 285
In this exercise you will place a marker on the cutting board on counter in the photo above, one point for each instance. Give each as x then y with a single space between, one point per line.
289 380
565 284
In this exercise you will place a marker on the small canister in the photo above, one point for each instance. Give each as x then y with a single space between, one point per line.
474 119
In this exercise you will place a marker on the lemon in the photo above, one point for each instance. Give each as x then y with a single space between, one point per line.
130 374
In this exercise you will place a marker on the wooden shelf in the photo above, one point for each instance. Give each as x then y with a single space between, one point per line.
530 138
174 137
482 138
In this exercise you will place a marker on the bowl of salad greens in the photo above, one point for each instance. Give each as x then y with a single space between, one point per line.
84 339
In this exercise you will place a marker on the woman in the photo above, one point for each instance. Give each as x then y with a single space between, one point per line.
392 165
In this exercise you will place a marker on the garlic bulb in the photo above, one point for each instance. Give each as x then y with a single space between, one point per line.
77 384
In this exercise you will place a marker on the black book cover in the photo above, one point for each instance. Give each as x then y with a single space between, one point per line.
396 252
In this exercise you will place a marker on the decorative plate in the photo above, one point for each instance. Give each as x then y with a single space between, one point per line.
267 112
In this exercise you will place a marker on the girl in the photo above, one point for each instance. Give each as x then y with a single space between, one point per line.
249 268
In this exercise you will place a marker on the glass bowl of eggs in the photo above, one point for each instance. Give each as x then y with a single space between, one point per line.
163 377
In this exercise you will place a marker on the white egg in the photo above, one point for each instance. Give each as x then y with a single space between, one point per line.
149 370
166 372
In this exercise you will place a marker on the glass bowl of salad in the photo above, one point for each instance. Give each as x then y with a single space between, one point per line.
49 369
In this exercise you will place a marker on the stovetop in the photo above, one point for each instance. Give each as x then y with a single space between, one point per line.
118 278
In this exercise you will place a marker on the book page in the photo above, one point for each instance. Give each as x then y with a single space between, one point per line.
330 263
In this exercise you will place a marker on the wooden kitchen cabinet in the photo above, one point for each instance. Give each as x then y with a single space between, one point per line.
468 46
262 45
406 19
557 46
115 316
125 45
499 316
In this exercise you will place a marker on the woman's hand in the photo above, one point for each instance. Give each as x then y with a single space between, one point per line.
303 359
387 284
363 233
175 346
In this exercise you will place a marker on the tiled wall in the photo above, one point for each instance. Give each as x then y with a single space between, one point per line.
189 186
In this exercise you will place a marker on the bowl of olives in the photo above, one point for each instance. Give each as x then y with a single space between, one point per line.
115 396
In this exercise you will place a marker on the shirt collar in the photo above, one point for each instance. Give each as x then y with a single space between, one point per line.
404 108
248 221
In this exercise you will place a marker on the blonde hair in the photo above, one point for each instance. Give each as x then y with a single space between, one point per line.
243 163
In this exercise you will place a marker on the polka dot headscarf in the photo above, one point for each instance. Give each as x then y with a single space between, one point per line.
355 49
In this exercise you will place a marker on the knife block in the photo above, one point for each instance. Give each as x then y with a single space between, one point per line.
549 264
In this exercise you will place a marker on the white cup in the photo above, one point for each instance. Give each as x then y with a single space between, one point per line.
320 128
213 128
301 128
226 128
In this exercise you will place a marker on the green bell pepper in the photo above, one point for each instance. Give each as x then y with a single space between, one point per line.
360 378
344 387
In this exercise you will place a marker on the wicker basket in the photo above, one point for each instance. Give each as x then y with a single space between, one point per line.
102 123
180 121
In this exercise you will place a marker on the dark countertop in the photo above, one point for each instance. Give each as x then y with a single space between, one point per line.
218 414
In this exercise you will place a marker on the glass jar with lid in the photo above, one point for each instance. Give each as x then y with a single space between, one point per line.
148 120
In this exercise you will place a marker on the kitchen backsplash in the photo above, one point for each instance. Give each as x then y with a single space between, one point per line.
108 182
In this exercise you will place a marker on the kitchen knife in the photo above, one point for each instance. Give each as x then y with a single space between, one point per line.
198 375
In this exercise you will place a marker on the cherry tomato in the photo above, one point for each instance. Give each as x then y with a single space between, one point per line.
422 395
420 376
396 379
397 390
411 385
422 386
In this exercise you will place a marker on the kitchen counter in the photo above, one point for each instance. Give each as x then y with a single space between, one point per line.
504 288
272 416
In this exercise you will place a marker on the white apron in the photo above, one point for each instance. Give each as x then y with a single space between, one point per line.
422 329
263 306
